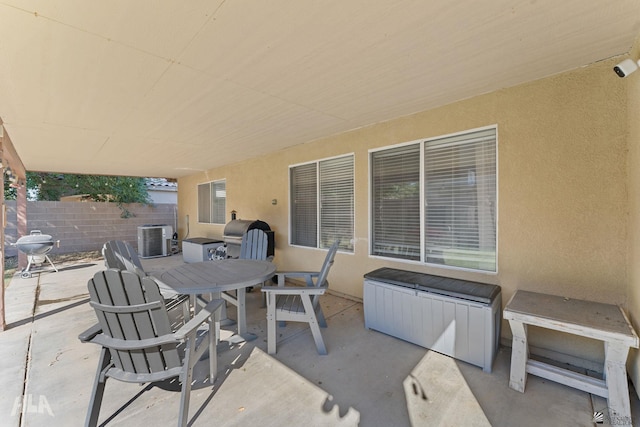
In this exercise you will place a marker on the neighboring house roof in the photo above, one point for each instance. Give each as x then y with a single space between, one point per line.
161 184
152 184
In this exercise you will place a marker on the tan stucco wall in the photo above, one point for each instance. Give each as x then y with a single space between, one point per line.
633 305
562 208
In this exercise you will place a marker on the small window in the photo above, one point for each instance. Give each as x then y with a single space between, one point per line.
322 204
212 197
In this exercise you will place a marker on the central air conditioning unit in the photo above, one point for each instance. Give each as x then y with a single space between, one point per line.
154 240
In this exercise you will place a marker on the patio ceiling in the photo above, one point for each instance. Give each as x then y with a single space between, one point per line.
169 88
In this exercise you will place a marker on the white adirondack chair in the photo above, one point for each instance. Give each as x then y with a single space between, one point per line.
138 344
299 303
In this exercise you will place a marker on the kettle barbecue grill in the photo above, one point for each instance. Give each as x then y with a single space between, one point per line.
36 246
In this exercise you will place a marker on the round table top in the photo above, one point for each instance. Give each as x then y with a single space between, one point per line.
217 276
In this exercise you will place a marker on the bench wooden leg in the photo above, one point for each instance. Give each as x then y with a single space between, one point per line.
519 356
615 372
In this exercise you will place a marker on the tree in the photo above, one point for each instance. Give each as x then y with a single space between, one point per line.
54 186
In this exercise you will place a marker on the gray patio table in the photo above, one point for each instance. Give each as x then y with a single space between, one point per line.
216 277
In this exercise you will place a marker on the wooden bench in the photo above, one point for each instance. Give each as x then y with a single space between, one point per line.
604 322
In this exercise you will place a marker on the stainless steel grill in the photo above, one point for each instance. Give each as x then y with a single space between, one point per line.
235 229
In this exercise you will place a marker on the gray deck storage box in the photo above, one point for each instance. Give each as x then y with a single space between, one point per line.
455 317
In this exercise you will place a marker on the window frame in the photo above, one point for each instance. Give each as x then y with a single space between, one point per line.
421 143
212 205
345 246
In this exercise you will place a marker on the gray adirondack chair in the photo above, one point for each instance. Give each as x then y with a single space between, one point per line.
138 344
254 245
299 303
121 255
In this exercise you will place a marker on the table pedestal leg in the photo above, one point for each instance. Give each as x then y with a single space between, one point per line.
242 316
224 320
519 356
242 311
240 302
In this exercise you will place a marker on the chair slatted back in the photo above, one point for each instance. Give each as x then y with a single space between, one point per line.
326 266
109 254
121 255
254 245
131 308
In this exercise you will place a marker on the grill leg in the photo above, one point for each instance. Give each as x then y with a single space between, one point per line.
25 273
49 259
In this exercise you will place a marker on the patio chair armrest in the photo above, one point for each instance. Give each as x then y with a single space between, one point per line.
294 290
129 344
308 276
175 301
90 333
205 312
298 273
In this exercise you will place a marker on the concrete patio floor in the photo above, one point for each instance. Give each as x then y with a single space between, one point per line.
367 379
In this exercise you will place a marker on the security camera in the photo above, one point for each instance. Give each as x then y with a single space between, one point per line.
625 68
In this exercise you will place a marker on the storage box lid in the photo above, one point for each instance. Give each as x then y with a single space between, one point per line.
202 240
472 291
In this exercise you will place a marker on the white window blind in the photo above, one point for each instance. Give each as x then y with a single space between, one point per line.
204 203
304 205
396 202
218 202
336 202
212 198
460 194
322 203
459 187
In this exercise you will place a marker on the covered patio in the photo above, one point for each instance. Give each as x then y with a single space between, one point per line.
244 103
368 378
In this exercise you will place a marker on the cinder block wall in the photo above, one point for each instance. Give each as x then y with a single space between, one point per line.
85 226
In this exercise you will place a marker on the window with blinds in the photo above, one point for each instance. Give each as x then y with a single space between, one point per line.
212 202
395 180
460 195
304 205
322 203
458 187
204 203
218 202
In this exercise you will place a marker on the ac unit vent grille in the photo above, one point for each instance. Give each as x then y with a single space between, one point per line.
154 241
